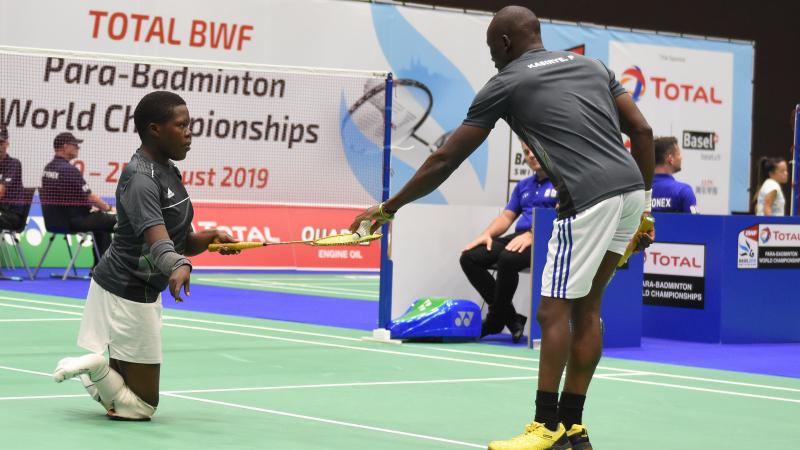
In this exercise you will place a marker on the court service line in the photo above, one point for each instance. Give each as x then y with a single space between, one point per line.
328 421
661 374
43 397
693 388
52 319
32 372
350 347
326 279
36 308
360 384
262 410
298 287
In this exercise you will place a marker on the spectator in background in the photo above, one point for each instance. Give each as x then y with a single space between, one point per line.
669 194
772 173
12 208
510 253
63 186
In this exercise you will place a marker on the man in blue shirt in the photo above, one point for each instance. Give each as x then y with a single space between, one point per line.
510 253
64 187
669 194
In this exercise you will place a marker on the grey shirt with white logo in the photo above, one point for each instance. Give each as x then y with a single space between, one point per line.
148 194
562 105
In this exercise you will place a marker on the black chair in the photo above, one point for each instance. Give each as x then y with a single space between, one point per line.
27 198
56 221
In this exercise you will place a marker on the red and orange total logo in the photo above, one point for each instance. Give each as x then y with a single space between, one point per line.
662 88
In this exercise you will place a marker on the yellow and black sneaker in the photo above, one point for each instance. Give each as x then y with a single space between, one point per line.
536 437
579 437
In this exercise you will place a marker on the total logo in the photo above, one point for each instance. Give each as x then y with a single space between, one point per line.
634 80
765 234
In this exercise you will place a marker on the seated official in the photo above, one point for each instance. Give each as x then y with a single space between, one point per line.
63 186
669 194
12 202
510 253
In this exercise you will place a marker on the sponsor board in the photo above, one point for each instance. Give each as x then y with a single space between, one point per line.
674 275
768 246
685 93
275 224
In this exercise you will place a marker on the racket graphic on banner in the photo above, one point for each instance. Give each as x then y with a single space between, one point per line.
412 102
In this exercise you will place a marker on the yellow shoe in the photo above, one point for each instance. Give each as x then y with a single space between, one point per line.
536 437
579 437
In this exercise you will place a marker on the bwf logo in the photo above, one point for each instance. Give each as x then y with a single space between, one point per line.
464 318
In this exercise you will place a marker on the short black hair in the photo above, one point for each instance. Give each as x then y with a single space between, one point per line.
664 146
155 107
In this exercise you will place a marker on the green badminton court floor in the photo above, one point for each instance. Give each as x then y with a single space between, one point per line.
231 383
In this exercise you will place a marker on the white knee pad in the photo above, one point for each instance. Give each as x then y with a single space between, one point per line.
127 405
118 399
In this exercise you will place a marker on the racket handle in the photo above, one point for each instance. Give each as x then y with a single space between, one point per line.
235 246
645 226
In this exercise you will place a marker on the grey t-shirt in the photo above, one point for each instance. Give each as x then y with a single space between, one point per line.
148 194
562 105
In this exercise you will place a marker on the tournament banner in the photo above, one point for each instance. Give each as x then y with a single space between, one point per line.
674 275
277 139
440 54
769 246
687 94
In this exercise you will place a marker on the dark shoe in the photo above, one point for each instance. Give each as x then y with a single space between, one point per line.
579 438
491 325
517 327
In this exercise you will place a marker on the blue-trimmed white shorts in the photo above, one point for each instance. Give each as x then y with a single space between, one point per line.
579 243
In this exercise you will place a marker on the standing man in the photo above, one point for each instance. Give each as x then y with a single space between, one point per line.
669 194
569 109
123 306
64 187
510 254
12 208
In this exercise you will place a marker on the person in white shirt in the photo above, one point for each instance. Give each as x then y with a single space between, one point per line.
770 200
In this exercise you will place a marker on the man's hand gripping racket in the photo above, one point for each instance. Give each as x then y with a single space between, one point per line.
645 235
369 221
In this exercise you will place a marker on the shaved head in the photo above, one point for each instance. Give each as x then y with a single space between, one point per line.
513 31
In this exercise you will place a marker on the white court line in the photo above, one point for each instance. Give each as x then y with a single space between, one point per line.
617 375
693 388
321 288
324 278
263 410
298 287
54 319
32 372
660 374
329 421
36 308
43 397
340 385
302 341
350 347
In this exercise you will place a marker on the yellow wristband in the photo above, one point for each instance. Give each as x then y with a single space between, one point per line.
384 215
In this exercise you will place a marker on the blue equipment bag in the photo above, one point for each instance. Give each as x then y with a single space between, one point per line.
438 319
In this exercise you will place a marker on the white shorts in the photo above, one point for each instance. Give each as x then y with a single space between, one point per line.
580 242
131 331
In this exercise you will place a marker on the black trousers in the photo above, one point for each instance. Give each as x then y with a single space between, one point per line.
497 293
99 223
10 220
